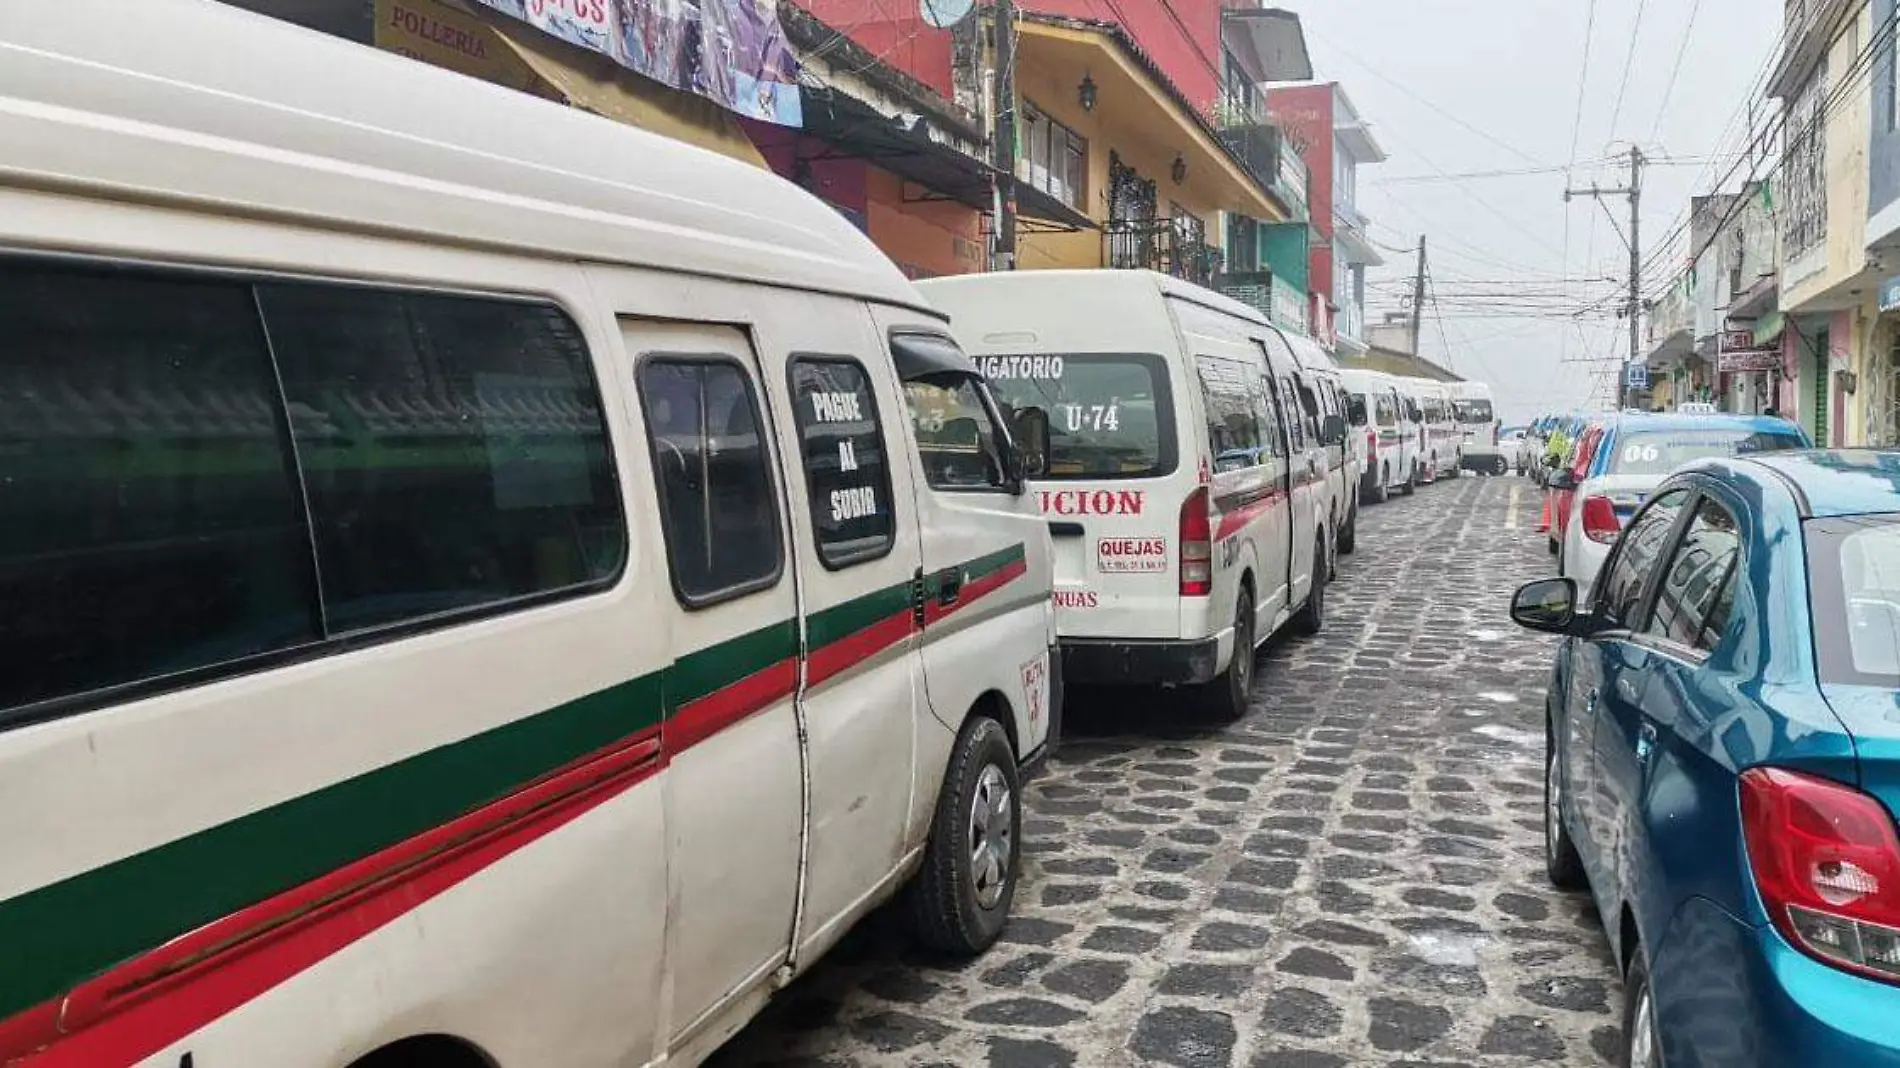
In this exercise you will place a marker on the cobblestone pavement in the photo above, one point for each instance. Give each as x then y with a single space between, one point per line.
1350 876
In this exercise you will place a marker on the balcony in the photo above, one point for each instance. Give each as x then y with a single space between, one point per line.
1804 39
1272 296
1176 247
1262 148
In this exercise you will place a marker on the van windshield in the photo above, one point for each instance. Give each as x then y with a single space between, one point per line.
1658 452
1473 411
1110 416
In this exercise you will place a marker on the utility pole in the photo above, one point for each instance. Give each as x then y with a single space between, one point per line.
1003 136
1634 310
1418 296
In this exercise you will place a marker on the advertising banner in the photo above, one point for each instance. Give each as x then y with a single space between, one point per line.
732 52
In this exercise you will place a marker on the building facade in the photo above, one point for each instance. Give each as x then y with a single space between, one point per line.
1334 141
1829 287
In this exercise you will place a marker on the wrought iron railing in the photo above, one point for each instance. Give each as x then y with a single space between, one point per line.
1166 245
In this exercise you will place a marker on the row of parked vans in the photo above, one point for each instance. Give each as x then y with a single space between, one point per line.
1416 431
488 586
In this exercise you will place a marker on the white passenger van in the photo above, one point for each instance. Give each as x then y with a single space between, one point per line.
1439 438
1185 483
475 597
1479 449
1345 453
1392 438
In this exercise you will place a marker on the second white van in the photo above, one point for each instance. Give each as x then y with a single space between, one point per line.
1185 486
1392 438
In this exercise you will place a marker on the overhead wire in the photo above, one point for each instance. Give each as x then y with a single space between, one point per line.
1629 63
1675 72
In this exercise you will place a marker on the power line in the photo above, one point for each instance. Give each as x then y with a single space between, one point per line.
1415 94
1682 50
1629 63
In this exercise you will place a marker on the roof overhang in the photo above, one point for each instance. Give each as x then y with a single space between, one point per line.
1355 246
1147 106
1269 43
904 146
1352 131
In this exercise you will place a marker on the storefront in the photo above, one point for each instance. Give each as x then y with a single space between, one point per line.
1882 384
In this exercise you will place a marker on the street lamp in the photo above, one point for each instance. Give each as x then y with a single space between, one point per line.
1179 170
1085 92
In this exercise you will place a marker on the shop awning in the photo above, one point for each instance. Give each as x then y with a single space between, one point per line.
1768 328
595 83
860 131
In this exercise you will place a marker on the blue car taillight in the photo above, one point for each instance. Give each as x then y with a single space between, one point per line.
1827 862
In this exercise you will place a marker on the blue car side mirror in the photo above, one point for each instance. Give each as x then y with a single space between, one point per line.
1548 605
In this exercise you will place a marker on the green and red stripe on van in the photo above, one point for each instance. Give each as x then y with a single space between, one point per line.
111 965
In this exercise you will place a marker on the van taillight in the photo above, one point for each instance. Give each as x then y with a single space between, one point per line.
1372 444
1197 546
1827 864
1599 519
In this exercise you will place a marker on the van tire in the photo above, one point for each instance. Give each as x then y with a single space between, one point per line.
1225 698
1349 534
1411 482
945 902
1383 491
1312 617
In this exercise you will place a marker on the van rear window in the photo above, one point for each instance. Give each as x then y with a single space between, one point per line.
1110 416
1659 452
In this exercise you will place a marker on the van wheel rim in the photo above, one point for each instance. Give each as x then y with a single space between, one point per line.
1643 1051
992 836
1243 649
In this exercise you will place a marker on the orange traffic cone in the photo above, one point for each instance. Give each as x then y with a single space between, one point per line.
1543 521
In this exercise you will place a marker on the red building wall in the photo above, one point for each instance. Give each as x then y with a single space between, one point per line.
1305 112
1181 36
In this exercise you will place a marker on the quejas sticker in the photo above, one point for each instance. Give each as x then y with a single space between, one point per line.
1131 556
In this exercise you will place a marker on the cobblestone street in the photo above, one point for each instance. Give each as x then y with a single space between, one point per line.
1351 876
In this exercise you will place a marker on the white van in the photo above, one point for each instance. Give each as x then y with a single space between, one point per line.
1345 454
1478 426
1439 438
1185 484
1392 437
475 597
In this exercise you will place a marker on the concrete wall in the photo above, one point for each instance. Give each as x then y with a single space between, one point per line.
1884 154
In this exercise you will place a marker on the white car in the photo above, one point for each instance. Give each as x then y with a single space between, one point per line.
1634 455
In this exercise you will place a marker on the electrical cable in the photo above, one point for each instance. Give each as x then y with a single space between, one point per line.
1629 63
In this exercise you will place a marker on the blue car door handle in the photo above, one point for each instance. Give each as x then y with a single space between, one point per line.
1590 700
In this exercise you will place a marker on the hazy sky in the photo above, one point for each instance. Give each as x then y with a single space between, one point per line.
1459 86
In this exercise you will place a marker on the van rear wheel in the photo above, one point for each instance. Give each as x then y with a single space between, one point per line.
1349 534
1411 482
1225 698
1383 491
1312 617
961 898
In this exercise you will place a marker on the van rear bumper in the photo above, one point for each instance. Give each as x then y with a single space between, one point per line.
1121 662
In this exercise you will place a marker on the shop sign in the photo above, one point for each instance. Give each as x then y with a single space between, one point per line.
1748 361
732 52
1890 294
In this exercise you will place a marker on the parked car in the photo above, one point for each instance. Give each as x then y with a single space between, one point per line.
1186 485
472 595
1632 454
1562 481
1514 441
1722 761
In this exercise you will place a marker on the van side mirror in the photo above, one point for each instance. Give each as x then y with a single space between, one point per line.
1031 431
1561 479
1332 430
1548 605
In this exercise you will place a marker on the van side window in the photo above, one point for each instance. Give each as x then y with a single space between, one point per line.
1296 415
956 437
714 473
847 475
1233 431
152 516
1267 414
452 449
1386 408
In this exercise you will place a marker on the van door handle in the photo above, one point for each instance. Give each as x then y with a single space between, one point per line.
1062 528
949 585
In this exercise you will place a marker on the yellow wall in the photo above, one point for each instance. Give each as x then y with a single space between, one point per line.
1053 91
1849 138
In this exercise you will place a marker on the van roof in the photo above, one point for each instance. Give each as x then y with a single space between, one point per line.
200 104
1094 284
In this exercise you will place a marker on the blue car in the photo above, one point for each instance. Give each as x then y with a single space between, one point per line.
1723 760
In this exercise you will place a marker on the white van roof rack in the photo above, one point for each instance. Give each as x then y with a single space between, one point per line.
200 104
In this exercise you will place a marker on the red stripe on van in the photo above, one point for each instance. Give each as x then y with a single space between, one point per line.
134 1010
701 719
829 661
974 590
1232 522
